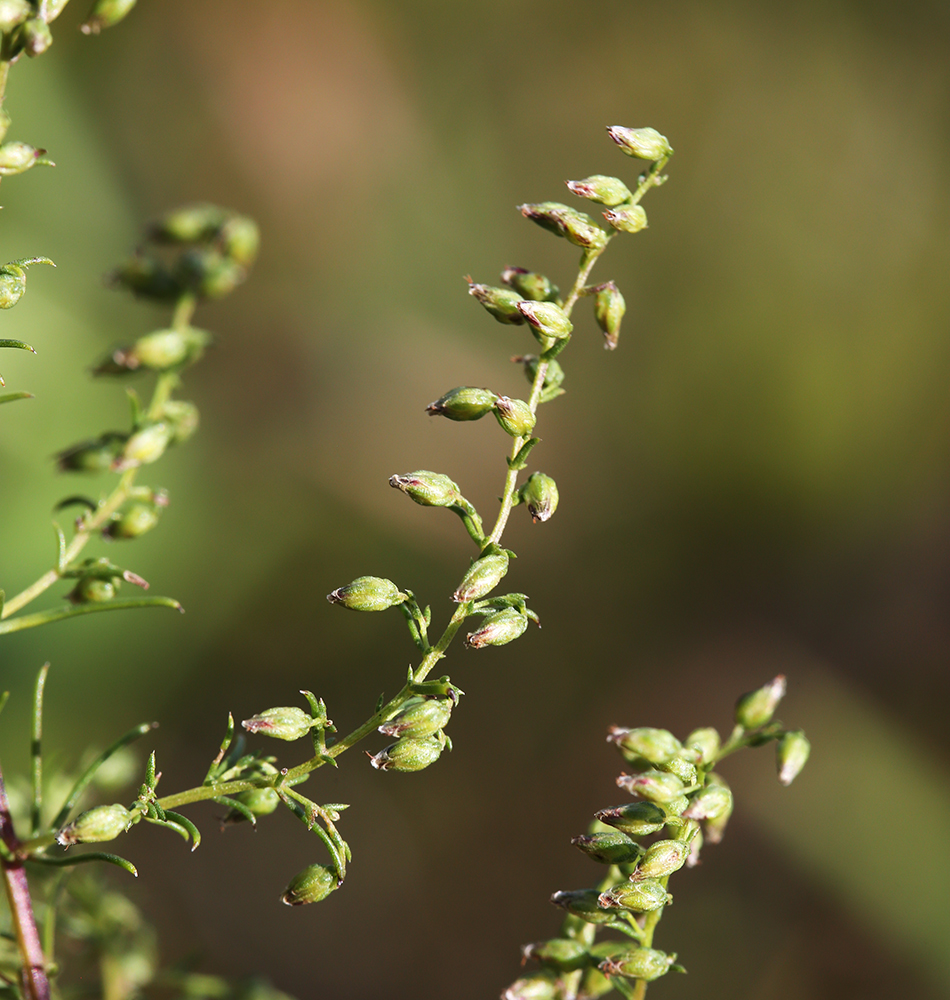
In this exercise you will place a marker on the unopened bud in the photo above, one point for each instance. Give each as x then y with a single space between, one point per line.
583 903
655 786
189 224
643 143
638 819
643 963
35 36
607 191
756 708
257 801
530 284
553 377
240 239
95 826
16 157
135 520
705 742
539 986
654 745
482 577
594 984
312 885
158 351
92 456
408 754
13 13
431 489
663 857
539 494
463 403
627 218
105 14
285 723
91 590
181 417
641 897
563 954
419 717
711 802
609 847
144 446
684 769
498 629
502 303
575 227
547 318
609 309
146 277
368 593
791 753
209 273
514 416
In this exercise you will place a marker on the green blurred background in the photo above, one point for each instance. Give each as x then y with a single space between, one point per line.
756 482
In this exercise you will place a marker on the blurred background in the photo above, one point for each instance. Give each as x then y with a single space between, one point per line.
756 482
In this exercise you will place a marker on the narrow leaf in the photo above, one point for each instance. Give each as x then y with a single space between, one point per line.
17 343
36 749
78 859
58 614
9 397
187 824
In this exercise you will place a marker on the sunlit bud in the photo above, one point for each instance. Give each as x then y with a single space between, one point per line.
636 819
135 520
419 717
609 309
627 218
662 858
15 157
12 13
240 239
182 417
583 903
609 848
607 191
104 14
530 284
553 377
575 227
643 963
431 489
408 754
540 496
463 403
258 801
189 224
514 416
641 897
539 986
313 884
756 708
684 769
655 745
368 593
92 456
643 143
146 277
548 318
502 303
95 826
482 577
284 723
158 351
791 753
209 273
498 629
35 36
676 806
564 954
144 446
705 742
89 590
710 802
655 786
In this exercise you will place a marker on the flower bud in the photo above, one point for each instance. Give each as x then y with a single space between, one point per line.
607 191
13 13
756 708
431 489
419 717
92 456
502 303
654 745
240 239
258 801
643 963
189 224
641 897
35 36
575 227
368 593
712 801
514 416
498 629
547 318
663 857
135 520
539 495
312 885
583 903
463 403
627 218
286 723
594 984
609 308
638 819
181 417
144 446
530 284
105 14
482 577
408 754
539 986
16 157
643 143
158 351
609 848
96 826
705 742
91 590
655 786
791 753
146 277
208 273
562 954
684 769
553 377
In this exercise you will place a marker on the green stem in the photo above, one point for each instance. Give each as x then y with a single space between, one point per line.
36 750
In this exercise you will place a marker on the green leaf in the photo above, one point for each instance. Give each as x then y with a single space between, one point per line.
9 397
78 859
17 343
187 824
58 614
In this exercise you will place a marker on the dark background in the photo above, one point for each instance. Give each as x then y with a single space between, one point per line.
755 482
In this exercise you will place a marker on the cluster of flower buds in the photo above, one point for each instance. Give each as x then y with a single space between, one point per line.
679 801
98 580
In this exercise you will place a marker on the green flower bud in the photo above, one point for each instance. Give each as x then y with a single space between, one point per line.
539 495
258 801
641 897
609 308
583 903
286 723
609 848
643 963
547 318
756 708
431 489
607 191
135 520
92 456
643 143
13 13
16 157
654 745
35 37
663 857
482 577
594 984
189 224
514 416
713 801
208 273
530 284
408 754
562 954
368 593
575 227
684 769
655 786
146 277
181 417
53 9
498 629
539 986
104 14
705 742
144 446
419 717
463 403
553 377
791 754
502 303
627 218
159 351
96 826
240 240
90 590
638 819
312 885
